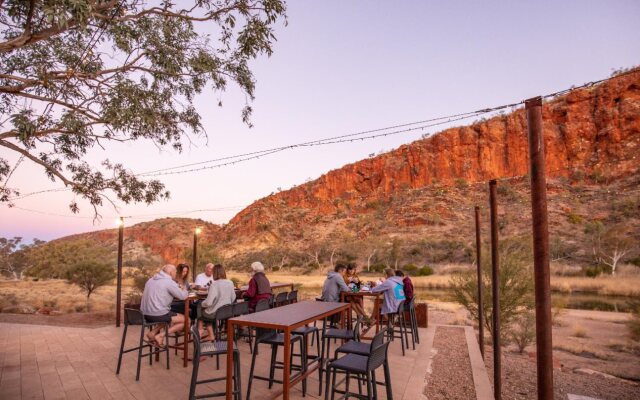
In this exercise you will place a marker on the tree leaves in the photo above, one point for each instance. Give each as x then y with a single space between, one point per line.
79 73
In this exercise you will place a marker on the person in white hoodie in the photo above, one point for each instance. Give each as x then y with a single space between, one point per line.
221 292
159 293
393 289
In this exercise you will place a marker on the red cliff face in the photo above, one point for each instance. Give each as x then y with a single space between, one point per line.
594 131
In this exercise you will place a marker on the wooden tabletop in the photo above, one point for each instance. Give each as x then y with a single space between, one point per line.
289 315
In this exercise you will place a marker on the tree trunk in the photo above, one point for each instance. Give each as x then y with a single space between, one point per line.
88 303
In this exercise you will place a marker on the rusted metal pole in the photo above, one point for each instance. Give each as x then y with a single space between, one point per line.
495 292
195 254
480 285
544 353
119 276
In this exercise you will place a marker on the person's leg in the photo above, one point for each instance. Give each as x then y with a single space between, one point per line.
176 324
151 335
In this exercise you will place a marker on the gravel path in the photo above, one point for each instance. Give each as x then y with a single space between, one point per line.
451 377
519 381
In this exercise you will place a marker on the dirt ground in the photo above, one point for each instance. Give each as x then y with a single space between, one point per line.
604 347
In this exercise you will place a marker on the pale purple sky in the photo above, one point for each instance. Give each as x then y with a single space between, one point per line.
342 67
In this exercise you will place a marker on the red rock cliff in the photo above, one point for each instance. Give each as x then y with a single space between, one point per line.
594 130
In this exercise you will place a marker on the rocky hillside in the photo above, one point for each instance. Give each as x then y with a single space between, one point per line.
414 204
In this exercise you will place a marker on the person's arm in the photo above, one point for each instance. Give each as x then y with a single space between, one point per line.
211 297
176 292
343 286
252 290
381 287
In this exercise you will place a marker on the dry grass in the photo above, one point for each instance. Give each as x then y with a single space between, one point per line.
56 294
581 350
579 331
620 285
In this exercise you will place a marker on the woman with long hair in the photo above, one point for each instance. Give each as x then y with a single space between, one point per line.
221 292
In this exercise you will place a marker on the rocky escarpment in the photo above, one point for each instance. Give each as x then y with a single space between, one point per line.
593 132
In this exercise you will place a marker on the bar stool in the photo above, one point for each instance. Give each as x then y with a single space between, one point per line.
280 299
397 318
292 297
216 348
275 339
410 307
135 317
363 367
334 333
262 305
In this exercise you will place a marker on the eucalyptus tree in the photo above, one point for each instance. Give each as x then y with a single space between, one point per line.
75 75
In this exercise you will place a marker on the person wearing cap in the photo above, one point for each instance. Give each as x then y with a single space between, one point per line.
259 286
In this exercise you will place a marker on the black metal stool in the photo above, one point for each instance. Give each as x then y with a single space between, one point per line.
275 339
135 317
396 325
363 367
334 333
410 307
216 348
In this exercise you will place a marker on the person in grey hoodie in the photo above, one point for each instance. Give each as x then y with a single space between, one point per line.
159 293
393 289
334 284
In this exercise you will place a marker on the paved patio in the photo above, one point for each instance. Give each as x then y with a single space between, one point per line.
48 362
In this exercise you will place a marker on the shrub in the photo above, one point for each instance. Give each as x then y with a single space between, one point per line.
275 268
579 331
523 330
574 218
516 284
410 269
379 267
90 276
425 271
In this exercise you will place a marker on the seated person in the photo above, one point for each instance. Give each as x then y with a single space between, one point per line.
159 292
259 286
182 279
221 292
351 279
393 290
204 279
408 287
334 284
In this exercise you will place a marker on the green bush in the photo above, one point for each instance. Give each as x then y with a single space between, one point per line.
516 284
425 271
377 267
90 275
275 269
410 269
574 218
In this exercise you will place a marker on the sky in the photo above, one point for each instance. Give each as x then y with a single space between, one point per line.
341 67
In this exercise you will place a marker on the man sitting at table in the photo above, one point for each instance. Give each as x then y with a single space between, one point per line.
334 284
204 279
393 291
259 286
159 292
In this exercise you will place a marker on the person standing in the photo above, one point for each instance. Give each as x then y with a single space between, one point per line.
159 292
259 286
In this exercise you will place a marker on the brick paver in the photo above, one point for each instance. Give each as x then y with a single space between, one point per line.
50 362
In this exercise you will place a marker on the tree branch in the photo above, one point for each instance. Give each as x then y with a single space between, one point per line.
36 160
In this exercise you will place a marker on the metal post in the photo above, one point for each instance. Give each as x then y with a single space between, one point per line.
495 291
480 285
119 278
195 254
544 354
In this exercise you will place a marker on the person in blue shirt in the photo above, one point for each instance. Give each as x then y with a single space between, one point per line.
393 289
